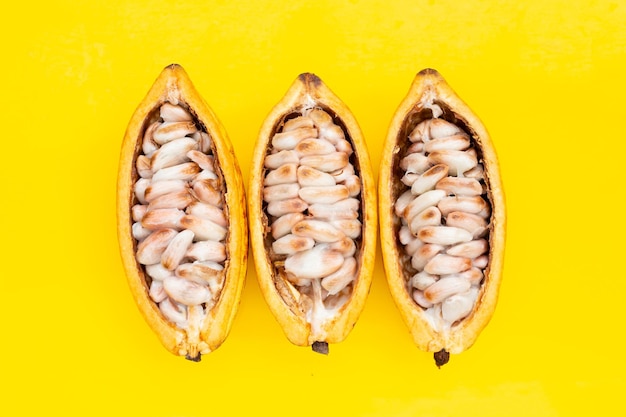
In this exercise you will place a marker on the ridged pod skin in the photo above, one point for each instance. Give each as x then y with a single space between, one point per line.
430 91
174 86
309 91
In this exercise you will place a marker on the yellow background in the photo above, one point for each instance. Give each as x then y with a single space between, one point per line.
545 76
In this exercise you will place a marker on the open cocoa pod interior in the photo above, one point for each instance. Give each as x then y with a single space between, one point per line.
442 217
182 225
312 215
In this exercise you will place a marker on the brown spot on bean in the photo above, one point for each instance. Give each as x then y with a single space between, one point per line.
435 170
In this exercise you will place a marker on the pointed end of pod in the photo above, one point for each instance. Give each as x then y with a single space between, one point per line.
174 66
429 72
441 358
320 347
311 79
427 79
196 358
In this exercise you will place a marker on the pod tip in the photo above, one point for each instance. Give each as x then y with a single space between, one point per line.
310 78
320 347
441 358
173 66
428 71
196 358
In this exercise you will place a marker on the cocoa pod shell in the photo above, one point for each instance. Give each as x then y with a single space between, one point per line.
174 86
430 96
309 90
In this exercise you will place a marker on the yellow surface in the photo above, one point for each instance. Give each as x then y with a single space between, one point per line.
546 78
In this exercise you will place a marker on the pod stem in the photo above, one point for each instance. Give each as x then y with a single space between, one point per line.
441 358
320 347
196 358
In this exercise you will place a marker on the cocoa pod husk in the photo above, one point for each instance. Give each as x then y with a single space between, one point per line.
174 86
430 96
288 306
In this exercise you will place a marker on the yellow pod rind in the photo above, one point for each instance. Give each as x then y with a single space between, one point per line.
173 85
308 89
428 88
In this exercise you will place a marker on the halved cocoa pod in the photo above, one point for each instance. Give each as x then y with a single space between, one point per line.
312 207
181 217
442 217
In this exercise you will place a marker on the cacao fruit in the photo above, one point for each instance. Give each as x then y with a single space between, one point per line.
442 217
312 211
181 217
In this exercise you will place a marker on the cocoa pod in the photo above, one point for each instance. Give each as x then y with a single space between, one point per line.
311 310
432 125
188 302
